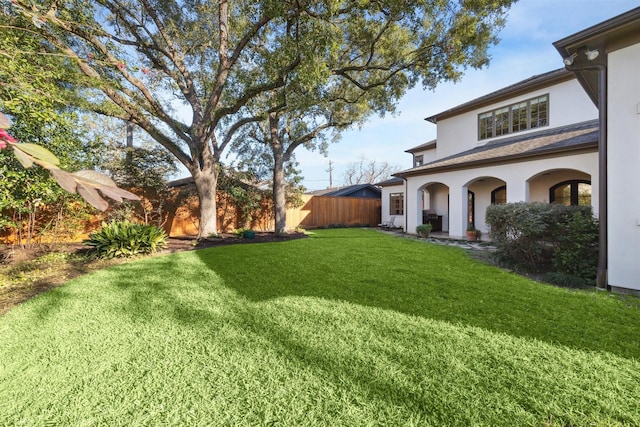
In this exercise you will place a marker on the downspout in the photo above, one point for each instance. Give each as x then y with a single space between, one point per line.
601 277
406 204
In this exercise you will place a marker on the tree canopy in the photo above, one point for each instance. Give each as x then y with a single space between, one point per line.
44 132
192 73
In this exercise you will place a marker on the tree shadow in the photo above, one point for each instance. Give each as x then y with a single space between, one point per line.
427 281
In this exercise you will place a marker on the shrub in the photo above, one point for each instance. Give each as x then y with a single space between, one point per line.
520 232
577 252
565 280
124 239
541 237
423 230
239 232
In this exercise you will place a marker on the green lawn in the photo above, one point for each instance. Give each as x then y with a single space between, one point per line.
347 327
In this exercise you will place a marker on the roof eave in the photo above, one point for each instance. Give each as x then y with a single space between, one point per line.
426 146
575 149
613 34
555 77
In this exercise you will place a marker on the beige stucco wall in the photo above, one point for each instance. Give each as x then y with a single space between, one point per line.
387 190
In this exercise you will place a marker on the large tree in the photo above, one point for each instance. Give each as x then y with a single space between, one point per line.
365 56
192 73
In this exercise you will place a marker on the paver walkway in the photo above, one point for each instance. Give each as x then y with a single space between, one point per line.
443 239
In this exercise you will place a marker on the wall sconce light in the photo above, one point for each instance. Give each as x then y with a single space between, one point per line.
569 59
592 54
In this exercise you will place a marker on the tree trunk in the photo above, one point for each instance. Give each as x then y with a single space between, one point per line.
279 184
279 199
207 184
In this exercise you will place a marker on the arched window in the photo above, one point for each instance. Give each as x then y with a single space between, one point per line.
573 192
499 195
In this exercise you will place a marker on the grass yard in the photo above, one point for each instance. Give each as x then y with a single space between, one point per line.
347 327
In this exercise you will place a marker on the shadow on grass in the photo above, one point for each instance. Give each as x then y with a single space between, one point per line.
372 269
366 268
182 300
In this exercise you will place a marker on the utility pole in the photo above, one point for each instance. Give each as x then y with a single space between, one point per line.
330 170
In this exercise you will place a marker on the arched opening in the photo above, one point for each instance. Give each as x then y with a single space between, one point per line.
482 192
565 186
434 206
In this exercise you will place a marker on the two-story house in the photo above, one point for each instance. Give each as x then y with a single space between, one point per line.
530 141
568 136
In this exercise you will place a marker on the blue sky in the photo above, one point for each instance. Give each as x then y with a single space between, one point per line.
525 50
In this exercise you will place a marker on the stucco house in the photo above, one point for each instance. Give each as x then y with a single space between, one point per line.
569 136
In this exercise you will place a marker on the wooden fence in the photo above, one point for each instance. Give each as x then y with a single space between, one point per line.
316 211
325 211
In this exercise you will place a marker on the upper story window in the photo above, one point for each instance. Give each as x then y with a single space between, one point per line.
529 114
418 161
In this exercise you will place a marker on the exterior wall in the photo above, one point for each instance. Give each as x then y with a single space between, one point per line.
427 155
568 104
518 177
623 170
539 186
385 206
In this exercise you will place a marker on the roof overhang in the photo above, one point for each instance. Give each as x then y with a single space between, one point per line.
515 158
391 182
423 147
563 141
608 36
520 88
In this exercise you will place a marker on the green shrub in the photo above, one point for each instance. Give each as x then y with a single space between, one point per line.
124 239
577 252
423 230
544 237
239 232
520 232
566 280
